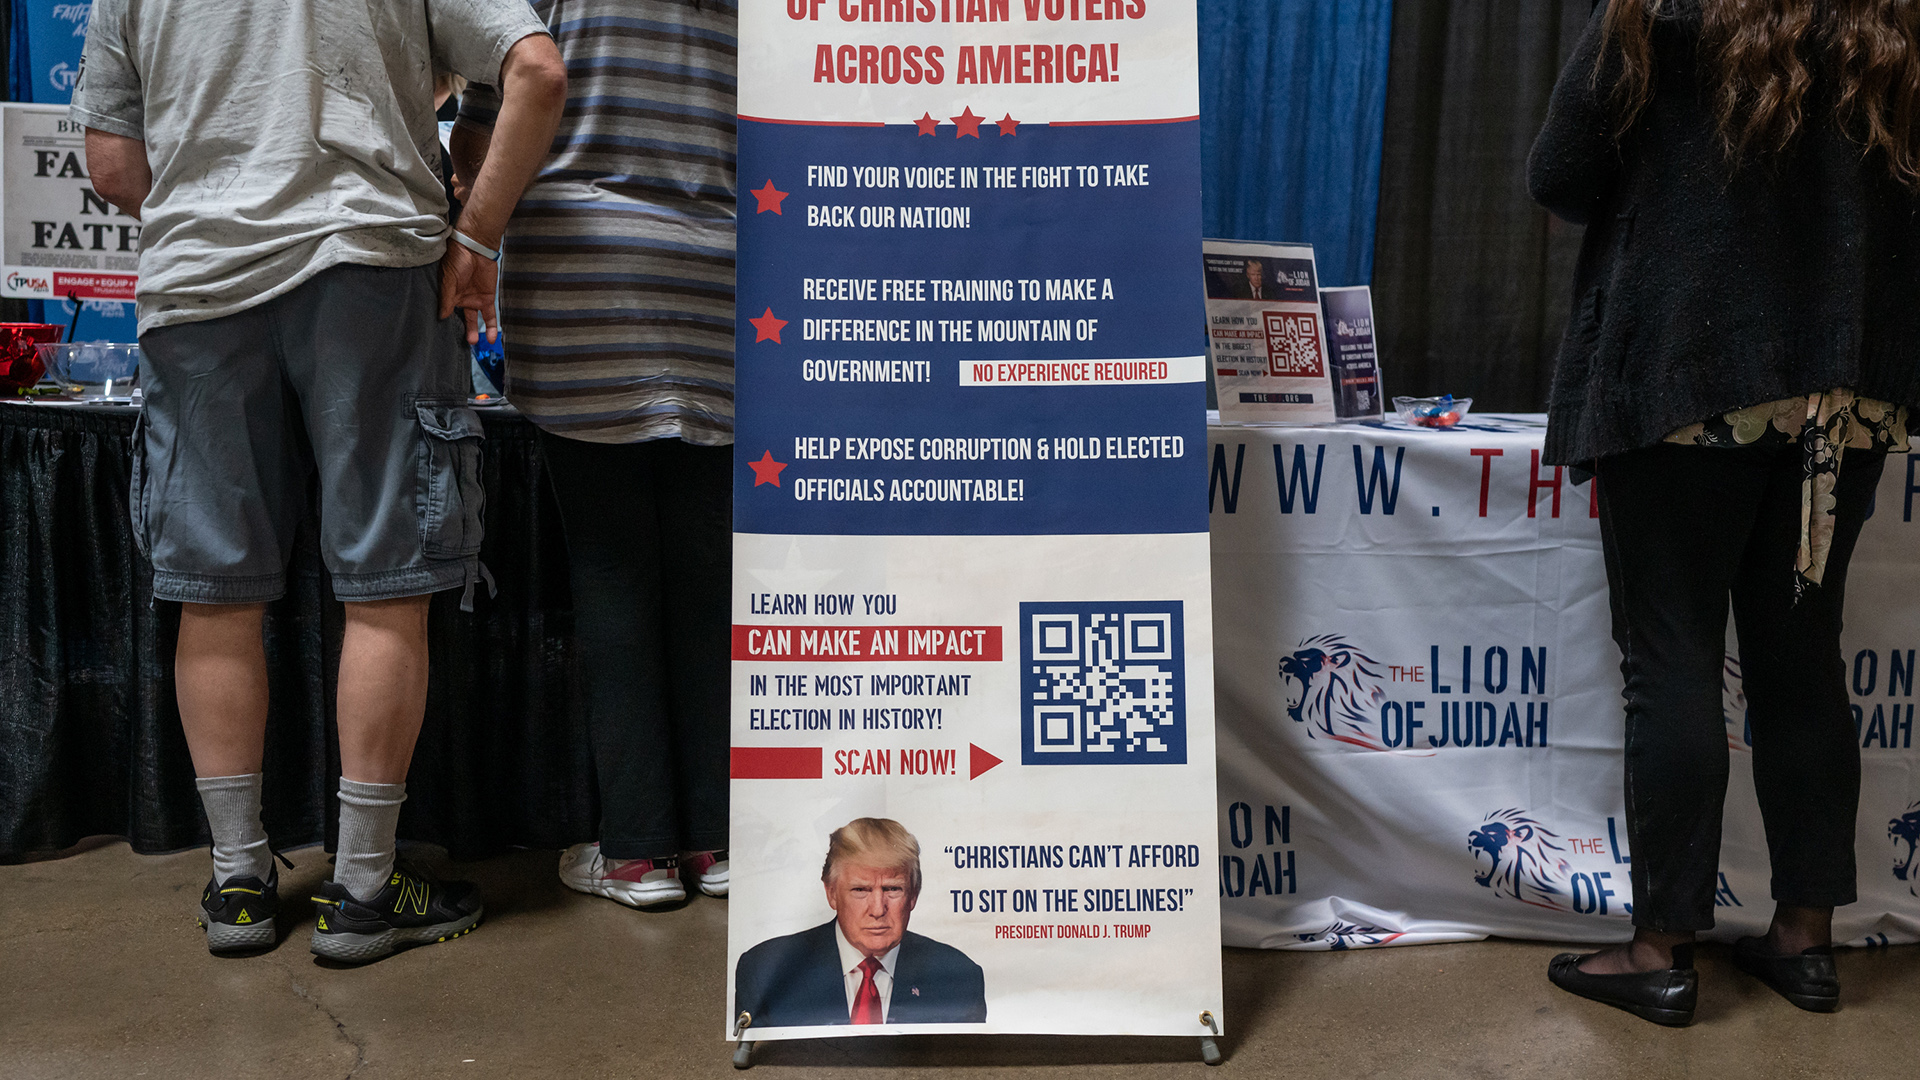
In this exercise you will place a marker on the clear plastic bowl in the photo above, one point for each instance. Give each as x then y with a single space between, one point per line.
93 365
1434 412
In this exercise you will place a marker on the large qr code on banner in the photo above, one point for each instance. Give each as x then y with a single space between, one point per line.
1293 345
1103 684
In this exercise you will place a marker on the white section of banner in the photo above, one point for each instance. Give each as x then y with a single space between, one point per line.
1134 971
1383 593
56 236
1143 71
1173 369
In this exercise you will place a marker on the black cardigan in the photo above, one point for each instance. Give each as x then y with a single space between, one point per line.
1701 289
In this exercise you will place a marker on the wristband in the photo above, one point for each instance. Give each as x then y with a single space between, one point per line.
475 246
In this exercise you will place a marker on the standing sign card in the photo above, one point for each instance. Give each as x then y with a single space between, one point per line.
1264 330
1352 354
973 755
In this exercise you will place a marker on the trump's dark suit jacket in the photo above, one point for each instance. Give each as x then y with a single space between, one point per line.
796 981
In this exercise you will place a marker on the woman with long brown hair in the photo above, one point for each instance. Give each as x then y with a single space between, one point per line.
1744 347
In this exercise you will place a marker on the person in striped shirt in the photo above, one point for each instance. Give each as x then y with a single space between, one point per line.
617 289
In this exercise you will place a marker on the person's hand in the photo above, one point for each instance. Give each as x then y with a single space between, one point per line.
467 282
462 187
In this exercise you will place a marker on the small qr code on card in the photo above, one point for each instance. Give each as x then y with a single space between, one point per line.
1103 683
1293 345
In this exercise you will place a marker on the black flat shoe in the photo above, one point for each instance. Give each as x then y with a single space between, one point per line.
1664 997
1809 980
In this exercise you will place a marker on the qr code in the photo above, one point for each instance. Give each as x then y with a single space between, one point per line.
1293 345
1103 684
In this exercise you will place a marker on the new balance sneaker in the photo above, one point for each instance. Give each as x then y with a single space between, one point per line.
709 869
638 883
413 908
239 915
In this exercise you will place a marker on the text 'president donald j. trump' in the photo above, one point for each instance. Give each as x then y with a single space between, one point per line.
863 967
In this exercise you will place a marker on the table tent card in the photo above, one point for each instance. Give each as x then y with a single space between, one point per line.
1353 353
1264 332
971 601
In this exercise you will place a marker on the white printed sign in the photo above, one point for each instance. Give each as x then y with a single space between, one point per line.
57 237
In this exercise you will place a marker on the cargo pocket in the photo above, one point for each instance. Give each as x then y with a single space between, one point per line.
451 496
137 499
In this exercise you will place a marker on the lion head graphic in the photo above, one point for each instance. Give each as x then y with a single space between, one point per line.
1904 831
1521 858
1335 689
1341 935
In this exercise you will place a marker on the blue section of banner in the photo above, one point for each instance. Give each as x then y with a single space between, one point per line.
52 32
1114 205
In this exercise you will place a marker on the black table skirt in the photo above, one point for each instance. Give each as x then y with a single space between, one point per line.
90 739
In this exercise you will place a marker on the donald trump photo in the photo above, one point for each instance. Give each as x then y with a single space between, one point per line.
862 966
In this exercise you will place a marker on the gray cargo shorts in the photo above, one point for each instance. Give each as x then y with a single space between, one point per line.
350 380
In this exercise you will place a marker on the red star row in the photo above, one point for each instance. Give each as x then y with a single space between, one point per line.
968 124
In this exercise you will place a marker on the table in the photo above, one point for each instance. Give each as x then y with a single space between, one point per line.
90 739
1419 698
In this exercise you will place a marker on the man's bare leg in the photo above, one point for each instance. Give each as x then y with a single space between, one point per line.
383 688
220 680
382 701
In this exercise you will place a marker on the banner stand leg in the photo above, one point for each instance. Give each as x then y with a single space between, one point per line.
742 1050
1209 1049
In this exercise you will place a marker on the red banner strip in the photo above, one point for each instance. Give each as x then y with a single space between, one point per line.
776 763
868 644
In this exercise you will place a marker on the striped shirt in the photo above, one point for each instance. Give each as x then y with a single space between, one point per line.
617 275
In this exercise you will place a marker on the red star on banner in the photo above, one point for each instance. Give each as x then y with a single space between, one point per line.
769 198
926 123
767 328
1007 125
766 470
968 123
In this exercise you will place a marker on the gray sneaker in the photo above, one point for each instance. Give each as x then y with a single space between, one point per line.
411 909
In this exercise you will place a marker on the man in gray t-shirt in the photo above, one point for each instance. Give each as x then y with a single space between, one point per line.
298 283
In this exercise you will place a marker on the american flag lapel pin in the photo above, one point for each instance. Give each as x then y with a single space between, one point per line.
916 991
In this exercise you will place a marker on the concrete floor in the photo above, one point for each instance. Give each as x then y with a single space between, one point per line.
103 974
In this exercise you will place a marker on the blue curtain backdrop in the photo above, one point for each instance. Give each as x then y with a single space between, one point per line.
1293 97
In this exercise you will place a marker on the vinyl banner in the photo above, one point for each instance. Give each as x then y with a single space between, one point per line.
1420 715
56 236
973 764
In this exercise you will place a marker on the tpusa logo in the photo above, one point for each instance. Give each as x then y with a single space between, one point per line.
1340 936
1335 689
1521 859
63 75
28 282
1904 831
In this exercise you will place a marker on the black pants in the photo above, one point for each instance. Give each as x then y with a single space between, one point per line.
1683 528
650 542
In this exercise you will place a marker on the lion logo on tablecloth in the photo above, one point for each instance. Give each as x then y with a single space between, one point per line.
1904 831
1335 689
1341 936
1522 859
1733 705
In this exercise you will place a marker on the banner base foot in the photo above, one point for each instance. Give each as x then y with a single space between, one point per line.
743 1054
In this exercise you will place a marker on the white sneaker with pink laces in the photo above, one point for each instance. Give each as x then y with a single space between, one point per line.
638 883
710 870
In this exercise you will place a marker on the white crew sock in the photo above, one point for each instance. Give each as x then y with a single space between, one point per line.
369 820
232 804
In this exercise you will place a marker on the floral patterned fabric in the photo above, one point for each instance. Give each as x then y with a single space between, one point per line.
1826 426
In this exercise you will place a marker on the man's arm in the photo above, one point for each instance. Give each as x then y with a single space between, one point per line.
118 169
533 91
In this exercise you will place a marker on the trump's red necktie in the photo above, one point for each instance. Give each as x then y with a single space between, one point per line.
866 1001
